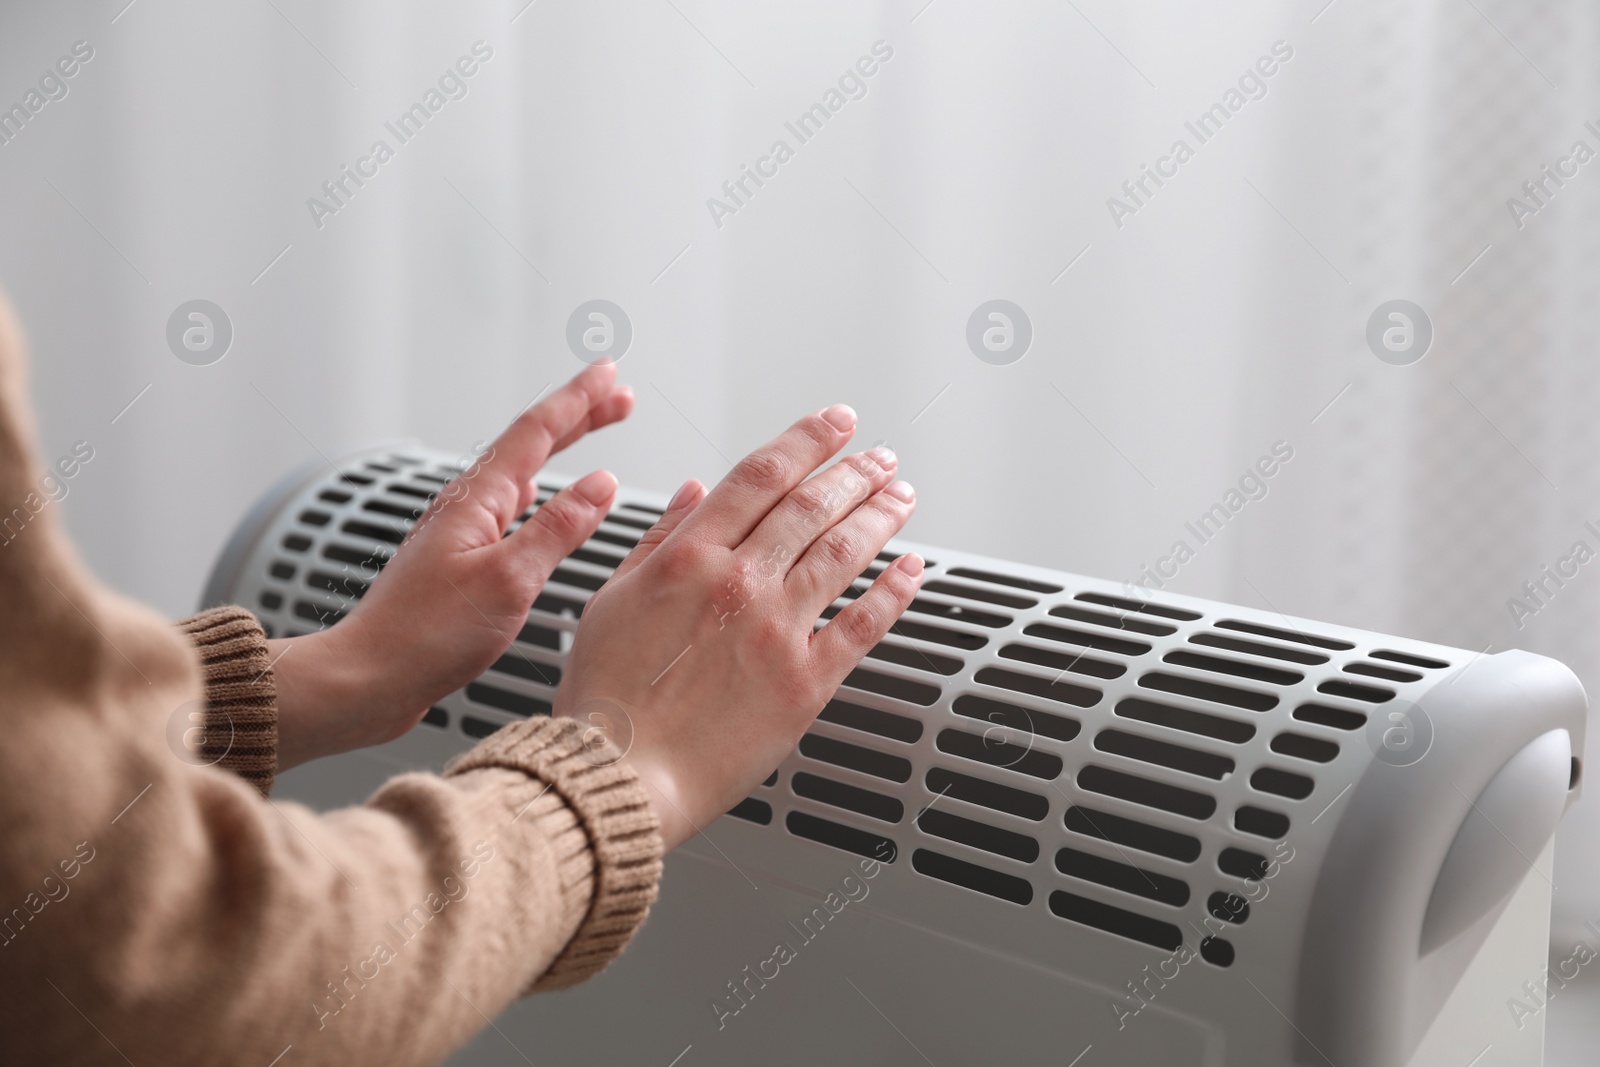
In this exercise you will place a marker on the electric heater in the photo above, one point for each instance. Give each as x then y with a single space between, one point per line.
1049 820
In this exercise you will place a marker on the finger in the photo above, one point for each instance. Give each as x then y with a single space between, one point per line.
761 479
617 406
518 453
814 506
685 500
561 524
839 646
838 557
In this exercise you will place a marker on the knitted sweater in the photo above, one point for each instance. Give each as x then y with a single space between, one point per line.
155 908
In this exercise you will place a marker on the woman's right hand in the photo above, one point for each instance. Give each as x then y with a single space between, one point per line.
699 656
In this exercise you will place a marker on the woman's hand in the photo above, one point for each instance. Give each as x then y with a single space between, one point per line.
699 655
456 593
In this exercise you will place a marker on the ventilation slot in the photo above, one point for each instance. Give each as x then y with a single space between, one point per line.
1003 579
1424 662
1003 798
599 559
1115 622
1233 668
1307 748
979 835
1017 718
577 579
1191 722
357 557
281 570
1133 834
915 658
1377 670
1282 783
477 728
752 810
325 616
890 686
297 542
937 635
1149 794
1061 692
610 538
312 517
412 491
373 530
1162 754
348 588
437 717
1229 907
849 797
646 508
1338 687
1332 644
972 592
551 604
971 876
1217 694
1143 607
999 754
1129 879
872 721
1114 920
1260 822
621 520
520 666
1066 636
1256 648
492 697
542 636
1242 864
1338 718
956 613
855 758
270 600
1060 661
400 511
844 838
1217 952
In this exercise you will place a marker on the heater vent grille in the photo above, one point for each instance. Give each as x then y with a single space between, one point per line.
1035 739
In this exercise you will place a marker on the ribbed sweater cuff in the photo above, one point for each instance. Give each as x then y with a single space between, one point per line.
610 860
241 704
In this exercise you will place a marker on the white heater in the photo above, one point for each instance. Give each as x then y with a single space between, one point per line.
1049 820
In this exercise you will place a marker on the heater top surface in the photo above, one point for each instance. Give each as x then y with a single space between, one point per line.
1084 778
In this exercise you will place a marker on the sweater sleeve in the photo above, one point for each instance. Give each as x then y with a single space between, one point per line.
158 910
239 730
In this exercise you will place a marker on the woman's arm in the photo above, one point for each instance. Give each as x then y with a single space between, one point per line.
164 912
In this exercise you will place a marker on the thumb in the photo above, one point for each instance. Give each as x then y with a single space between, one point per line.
561 524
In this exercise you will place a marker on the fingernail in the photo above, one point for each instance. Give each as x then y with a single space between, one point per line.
883 456
911 563
681 498
902 492
841 417
597 488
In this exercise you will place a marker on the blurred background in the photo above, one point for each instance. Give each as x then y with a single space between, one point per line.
1180 329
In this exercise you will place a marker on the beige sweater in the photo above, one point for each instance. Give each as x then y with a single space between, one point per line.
157 912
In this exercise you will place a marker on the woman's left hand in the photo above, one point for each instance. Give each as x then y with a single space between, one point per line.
456 593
